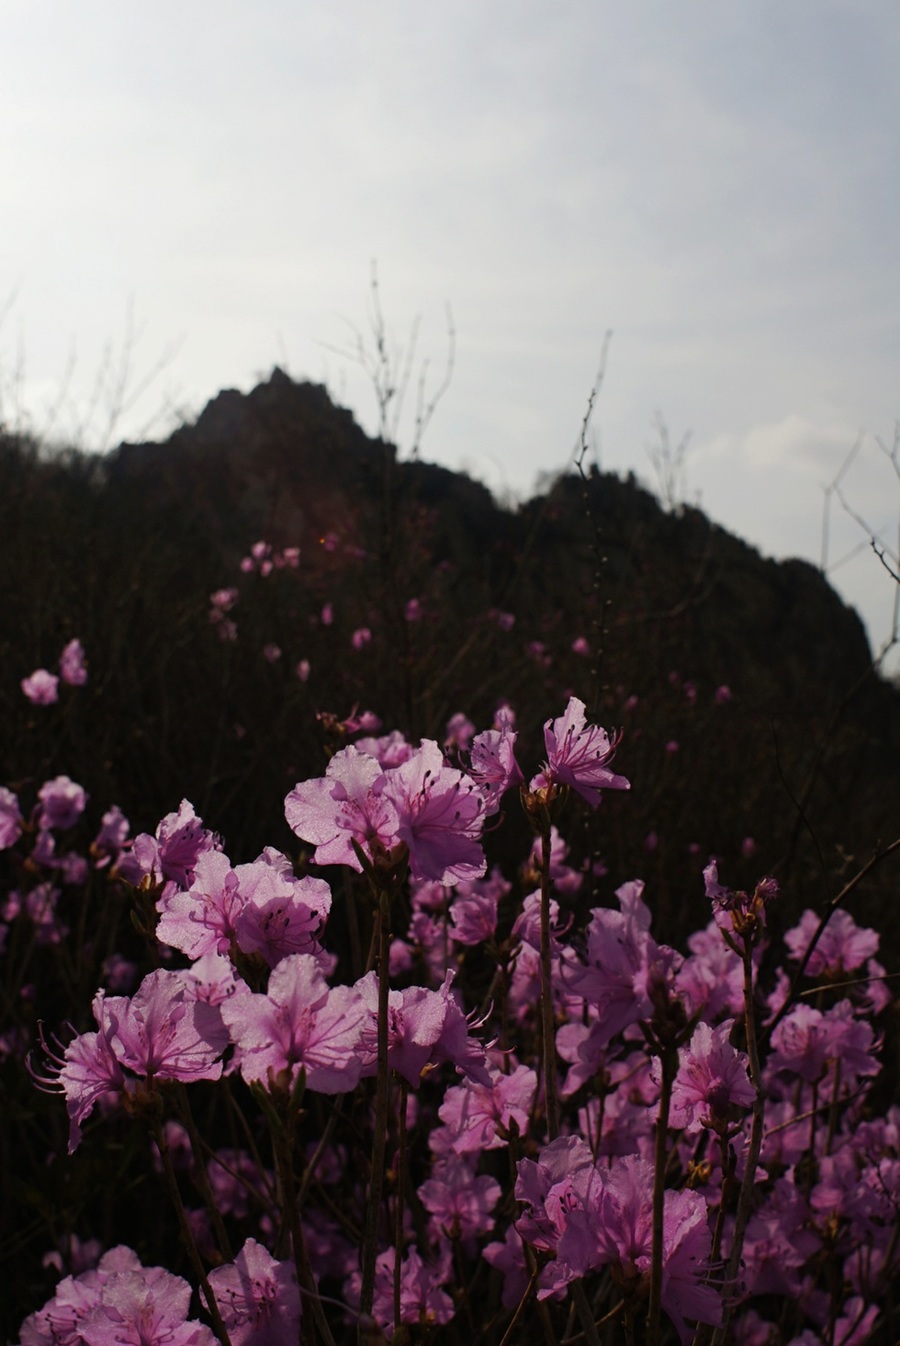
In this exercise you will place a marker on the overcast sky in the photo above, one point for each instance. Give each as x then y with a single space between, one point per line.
716 183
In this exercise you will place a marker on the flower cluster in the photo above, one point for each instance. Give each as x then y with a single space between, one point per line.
606 1125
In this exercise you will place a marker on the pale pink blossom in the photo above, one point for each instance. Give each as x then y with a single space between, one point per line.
41 687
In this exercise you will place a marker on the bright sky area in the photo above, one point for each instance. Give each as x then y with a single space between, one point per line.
197 192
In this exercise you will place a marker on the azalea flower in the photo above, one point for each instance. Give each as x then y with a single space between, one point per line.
712 1087
258 1298
577 755
440 814
299 1024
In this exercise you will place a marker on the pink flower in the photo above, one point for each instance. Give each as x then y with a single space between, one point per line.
623 963
271 653
303 670
459 1203
413 610
71 664
86 1072
202 919
258 1298
147 1307
580 646
347 805
425 1028
422 1301
493 766
161 1033
10 819
41 687
712 1087
120 1303
577 755
459 732
842 947
440 816
279 914
173 852
613 1227
62 803
224 599
478 1117
299 1024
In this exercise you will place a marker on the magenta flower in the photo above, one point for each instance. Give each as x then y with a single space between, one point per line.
614 1227
712 1087
577 755
299 1024
440 815
550 1187
624 962
71 664
258 1298
279 914
87 1071
112 836
808 1041
41 687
